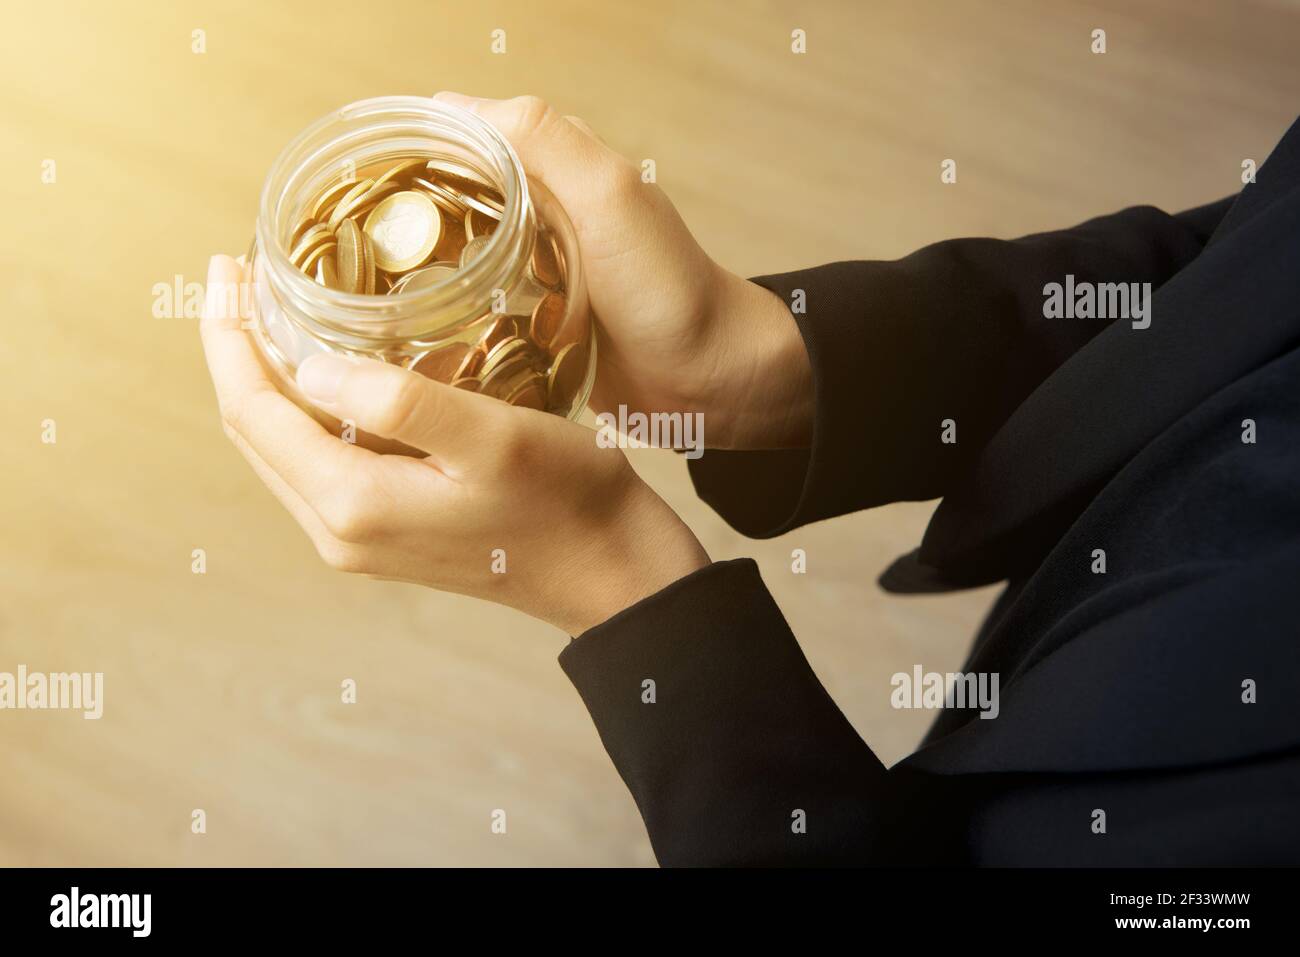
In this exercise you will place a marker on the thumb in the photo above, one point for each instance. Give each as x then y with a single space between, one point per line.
566 156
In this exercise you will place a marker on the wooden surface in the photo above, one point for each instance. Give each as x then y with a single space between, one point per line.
222 690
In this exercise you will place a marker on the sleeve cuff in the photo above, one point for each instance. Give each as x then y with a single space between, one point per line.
854 333
677 631
720 728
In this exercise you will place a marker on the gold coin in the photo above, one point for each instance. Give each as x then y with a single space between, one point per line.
300 230
476 224
501 380
404 228
400 168
502 328
371 199
502 351
425 278
480 224
444 197
566 374
548 316
314 237
326 200
368 249
327 274
469 365
491 198
515 372
481 204
529 394
468 383
546 260
349 200
313 257
451 244
443 363
473 249
446 167
351 257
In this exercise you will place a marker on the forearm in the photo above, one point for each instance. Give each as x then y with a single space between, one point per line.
908 367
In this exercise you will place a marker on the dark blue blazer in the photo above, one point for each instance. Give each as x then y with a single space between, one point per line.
1163 693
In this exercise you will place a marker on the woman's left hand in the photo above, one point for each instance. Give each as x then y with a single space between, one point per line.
581 537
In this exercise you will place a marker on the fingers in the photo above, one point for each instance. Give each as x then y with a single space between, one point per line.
307 458
385 400
294 503
573 163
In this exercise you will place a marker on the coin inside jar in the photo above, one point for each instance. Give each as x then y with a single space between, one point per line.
446 198
476 225
457 172
502 328
327 273
530 393
483 204
546 265
311 239
351 257
502 353
326 200
401 168
309 261
424 278
404 228
473 249
450 245
349 202
442 363
412 223
565 374
547 317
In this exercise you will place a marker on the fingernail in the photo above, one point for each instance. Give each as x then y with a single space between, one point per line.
214 268
320 377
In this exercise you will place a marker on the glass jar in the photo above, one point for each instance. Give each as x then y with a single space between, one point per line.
524 282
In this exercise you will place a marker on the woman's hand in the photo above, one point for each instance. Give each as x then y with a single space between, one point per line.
677 332
581 537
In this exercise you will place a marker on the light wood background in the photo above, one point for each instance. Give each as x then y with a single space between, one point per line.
222 690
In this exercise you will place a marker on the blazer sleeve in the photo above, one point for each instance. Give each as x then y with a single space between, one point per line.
955 331
732 749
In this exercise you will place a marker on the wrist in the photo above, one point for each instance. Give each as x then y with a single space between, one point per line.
761 395
645 549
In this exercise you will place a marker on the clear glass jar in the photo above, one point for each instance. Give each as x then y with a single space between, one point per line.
295 315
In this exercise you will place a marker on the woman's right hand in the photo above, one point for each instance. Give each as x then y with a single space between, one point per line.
676 331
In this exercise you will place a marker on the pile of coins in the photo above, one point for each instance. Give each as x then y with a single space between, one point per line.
417 221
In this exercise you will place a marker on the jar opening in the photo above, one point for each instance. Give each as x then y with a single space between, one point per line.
352 139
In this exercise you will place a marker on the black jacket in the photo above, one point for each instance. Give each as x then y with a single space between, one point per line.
1120 692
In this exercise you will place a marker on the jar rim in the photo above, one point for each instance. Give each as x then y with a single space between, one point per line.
316 146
